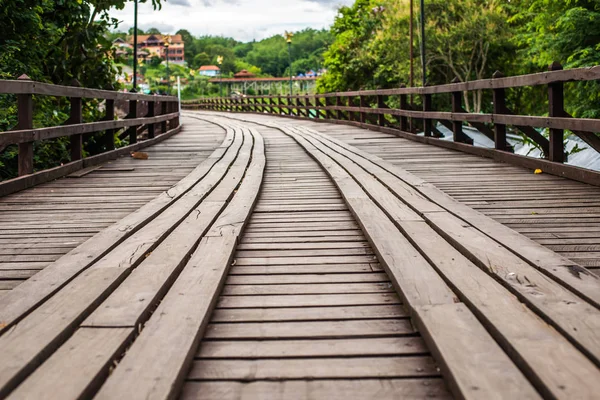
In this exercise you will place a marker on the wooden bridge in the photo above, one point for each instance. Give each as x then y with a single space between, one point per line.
302 248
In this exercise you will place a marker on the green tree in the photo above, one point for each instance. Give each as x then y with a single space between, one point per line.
56 42
200 59
564 31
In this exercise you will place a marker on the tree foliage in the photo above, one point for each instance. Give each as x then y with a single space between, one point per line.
467 40
55 41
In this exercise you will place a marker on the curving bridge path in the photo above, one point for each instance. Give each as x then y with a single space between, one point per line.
256 257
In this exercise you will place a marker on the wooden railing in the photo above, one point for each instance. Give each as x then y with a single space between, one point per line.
161 120
369 109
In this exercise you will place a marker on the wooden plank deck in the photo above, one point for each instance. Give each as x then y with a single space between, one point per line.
561 214
41 224
307 307
346 276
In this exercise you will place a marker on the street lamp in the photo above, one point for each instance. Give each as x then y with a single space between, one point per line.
288 39
167 40
220 62
135 13
423 63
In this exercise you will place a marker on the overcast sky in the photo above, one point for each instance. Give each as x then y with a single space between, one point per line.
243 20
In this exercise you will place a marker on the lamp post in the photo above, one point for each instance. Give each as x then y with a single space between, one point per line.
423 61
167 40
135 13
288 38
220 62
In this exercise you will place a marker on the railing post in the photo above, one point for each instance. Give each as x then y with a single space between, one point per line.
338 102
404 106
109 115
75 117
25 110
363 104
499 99
150 113
132 115
556 104
350 103
427 121
163 111
380 104
175 109
457 128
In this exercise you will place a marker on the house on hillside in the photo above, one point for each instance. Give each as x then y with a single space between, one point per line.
209 70
244 74
157 45
122 47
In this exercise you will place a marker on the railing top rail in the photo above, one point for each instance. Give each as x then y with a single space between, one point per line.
541 78
22 86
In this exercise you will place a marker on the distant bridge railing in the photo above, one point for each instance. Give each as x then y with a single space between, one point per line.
160 121
368 109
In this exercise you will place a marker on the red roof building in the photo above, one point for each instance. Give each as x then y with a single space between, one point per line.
209 70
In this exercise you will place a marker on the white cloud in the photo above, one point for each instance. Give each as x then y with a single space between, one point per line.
243 20
185 3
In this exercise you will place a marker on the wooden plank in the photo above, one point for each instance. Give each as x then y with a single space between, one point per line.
87 354
314 368
497 260
19 302
112 268
310 329
27 343
495 354
305 278
423 237
383 346
308 313
313 288
368 389
149 281
418 285
183 314
175 325
448 329
304 260
308 300
576 278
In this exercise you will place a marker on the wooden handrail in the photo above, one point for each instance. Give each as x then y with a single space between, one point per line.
25 86
368 108
537 79
24 135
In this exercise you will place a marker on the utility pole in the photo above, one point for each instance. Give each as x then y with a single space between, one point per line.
288 38
135 13
423 60
220 62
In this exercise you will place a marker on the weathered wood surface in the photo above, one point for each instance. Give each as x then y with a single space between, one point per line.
491 268
129 298
39 225
293 307
299 267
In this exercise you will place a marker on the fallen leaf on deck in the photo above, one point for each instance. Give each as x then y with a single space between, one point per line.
138 155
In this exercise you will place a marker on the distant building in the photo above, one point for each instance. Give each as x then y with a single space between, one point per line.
121 46
155 46
244 74
209 70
